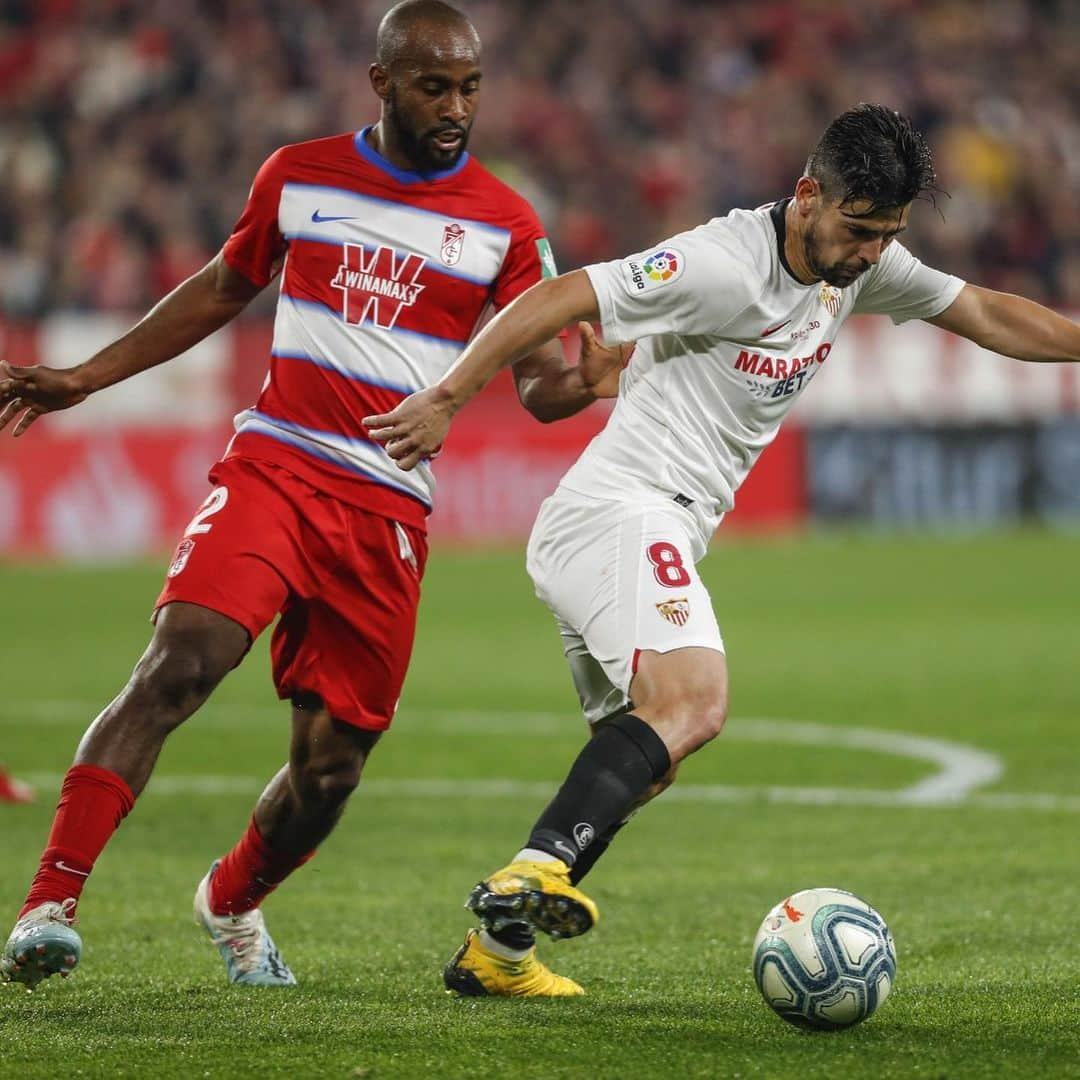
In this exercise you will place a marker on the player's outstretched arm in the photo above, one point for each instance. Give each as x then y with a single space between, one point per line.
551 389
1011 325
191 312
418 426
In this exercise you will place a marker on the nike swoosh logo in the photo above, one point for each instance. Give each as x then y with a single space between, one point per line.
564 847
320 218
769 333
60 865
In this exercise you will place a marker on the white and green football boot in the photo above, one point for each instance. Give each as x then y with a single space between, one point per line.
42 943
250 955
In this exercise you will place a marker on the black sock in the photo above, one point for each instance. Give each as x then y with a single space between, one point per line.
613 771
588 858
515 935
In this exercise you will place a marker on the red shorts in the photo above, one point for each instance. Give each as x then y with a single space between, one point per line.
346 582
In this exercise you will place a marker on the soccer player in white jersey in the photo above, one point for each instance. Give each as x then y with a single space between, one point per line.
733 321
390 242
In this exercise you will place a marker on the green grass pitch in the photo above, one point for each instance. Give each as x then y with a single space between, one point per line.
925 691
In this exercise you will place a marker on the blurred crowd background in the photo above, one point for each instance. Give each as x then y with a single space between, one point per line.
130 129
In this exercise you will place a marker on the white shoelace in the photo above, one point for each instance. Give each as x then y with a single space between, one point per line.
51 911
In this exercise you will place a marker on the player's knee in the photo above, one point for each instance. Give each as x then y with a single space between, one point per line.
711 710
174 681
329 784
690 717
703 714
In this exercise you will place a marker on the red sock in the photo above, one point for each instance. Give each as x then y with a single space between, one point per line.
93 802
249 873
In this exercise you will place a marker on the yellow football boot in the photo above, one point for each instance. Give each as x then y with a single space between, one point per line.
476 972
538 893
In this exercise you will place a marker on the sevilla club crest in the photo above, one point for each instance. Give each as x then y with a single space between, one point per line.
453 239
675 611
831 298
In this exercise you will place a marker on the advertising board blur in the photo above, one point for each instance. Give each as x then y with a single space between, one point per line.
904 426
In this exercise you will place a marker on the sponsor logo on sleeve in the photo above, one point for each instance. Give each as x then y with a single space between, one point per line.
654 271
547 258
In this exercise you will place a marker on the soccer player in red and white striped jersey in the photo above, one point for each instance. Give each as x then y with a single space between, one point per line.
390 244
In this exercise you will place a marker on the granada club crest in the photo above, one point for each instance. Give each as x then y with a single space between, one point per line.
453 239
831 298
180 559
675 611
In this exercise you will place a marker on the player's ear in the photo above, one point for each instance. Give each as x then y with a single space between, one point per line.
808 195
380 81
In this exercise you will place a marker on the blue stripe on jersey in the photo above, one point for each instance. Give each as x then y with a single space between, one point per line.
297 302
329 365
405 176
372 199
435 267
300 442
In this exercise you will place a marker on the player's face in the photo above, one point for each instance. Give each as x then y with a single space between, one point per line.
432 102
843 241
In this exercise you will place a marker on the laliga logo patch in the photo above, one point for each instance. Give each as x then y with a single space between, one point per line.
180 559
583 835
831 298
453 240
663 265
660 268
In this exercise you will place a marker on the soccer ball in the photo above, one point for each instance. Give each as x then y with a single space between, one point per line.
824 959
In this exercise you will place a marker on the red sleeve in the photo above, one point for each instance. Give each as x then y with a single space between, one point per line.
528 260
256 246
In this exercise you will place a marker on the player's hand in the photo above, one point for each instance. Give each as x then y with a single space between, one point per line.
601 365
29 392
414 430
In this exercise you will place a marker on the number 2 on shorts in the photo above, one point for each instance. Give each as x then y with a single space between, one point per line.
668 565
215 501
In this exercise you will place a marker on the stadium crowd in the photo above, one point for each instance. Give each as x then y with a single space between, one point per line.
130 129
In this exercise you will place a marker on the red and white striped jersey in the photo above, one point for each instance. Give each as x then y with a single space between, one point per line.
386 275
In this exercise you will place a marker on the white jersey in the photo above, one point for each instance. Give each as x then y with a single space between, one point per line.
727 341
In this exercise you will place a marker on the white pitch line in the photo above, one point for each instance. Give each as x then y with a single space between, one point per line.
537 790
961 769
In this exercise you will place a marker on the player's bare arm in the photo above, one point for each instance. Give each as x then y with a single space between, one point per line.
418 426
192 311
1011 325
551 389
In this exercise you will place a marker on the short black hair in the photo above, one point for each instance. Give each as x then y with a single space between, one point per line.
872 152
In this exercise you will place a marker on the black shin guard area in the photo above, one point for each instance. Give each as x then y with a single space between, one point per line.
616 767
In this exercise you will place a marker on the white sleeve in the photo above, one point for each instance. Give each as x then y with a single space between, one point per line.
903 288
694 283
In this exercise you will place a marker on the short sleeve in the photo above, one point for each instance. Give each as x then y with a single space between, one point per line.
256 246
693 283
903 288
528 259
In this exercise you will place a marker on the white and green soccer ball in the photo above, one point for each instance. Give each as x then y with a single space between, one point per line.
824 959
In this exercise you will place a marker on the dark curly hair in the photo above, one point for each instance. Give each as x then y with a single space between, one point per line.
872 152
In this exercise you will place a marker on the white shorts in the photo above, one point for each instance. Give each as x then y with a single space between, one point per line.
620 579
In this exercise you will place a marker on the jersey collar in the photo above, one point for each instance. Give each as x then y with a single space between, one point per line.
403 176
778 213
